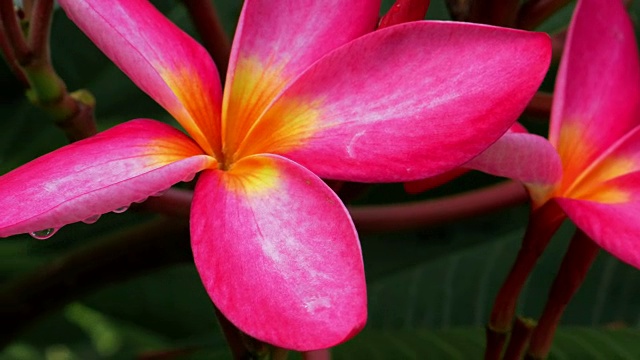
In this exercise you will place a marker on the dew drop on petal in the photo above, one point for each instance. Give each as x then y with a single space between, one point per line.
91 219
121 209
43 234
160 193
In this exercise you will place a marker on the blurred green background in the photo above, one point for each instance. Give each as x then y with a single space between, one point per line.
430 291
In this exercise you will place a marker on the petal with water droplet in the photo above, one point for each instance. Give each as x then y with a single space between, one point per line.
96 175
43 234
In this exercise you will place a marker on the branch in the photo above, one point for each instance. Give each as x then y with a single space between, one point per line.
385 218
581 254
13 32
543 223
422 214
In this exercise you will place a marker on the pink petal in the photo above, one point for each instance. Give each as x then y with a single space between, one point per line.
615 227
278 253
527 158
418 186
160 58
274 42
90 177
597 96
455 89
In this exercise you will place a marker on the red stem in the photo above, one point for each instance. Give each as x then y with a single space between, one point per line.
215 40
40 29
13 32
543 223
522 330
581 254
422 214
10 58
385 218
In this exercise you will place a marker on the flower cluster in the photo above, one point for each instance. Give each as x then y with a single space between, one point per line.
313 92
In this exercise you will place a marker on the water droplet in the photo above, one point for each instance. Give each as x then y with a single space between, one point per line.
160 193
43 234
121 209
141 200
91 219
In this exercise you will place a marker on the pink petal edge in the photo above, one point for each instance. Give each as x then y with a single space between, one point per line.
124 164
523 157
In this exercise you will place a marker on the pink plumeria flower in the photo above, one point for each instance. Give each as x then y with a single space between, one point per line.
309 94
591 164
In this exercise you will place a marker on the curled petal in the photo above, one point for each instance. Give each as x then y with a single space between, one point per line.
274 42
455 89
527 158
597 95
278 253
523 157
160 58
418 186
124 164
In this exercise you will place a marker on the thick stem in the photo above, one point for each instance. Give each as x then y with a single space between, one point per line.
385 218
422 214
522 330
215 40
13 32
40 28
543 223
73 113
581 254
10 58
535 12
150 246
